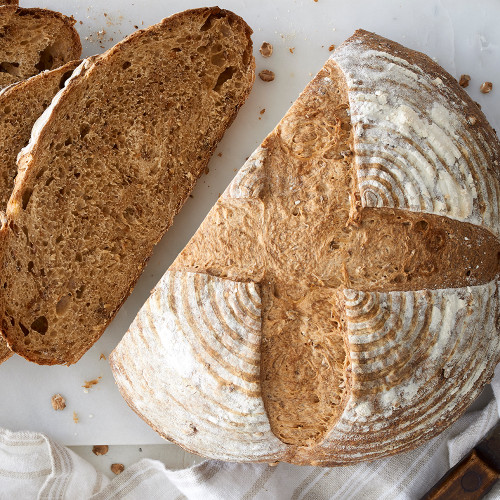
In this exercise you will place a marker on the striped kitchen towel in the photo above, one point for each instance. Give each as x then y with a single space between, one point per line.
33 466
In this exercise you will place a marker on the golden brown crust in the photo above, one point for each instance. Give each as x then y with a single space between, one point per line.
370 306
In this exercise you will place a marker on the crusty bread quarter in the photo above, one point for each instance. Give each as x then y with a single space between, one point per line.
340 301
109 164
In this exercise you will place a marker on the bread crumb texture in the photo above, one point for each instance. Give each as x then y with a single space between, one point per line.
464 81
34 40
266 49
117 468
58 402
100 449
266 75
486 87
339 301
109 165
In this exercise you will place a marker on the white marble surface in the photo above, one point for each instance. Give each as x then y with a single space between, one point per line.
464 38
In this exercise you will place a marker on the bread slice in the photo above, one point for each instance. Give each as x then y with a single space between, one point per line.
339 303
108 166
34 40
21 105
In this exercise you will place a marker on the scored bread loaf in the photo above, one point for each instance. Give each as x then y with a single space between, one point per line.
109 165
34 40
20 106
339 303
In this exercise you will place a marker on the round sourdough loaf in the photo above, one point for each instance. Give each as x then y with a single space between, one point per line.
340 301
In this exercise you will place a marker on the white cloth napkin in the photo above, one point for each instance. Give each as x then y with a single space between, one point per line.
33 466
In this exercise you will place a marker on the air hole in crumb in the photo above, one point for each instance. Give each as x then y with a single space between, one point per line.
84 130
62 305
421 225
68 141
77 175
80 291
59 239
226 75
208 23
48 181
63 79
5 326
40 325
126 65
176 49
334 245
10 68
78 257
46 59
26 197
406 223
218 59
467 273
30 266
24 329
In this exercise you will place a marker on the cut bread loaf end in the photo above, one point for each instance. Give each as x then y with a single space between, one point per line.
34 40
21 104
108 166
339 303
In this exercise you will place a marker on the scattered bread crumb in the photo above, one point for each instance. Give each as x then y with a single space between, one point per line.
207 170
100 449
219 155
58 402
90 383
191 196
477 104
291 49
464 81
75 417
102 356
332 47
117 468
136 27
486 87
266 49
266 75
262 111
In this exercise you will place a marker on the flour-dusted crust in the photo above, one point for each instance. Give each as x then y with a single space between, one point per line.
439 150
109 164
205 331
34 40
378 288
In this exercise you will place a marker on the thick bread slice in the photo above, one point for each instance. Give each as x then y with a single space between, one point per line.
108 166
340 302
34 40
20 106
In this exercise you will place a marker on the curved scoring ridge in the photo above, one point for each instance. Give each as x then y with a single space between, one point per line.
203 389
441 352
249 181
431 154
